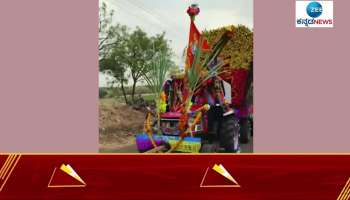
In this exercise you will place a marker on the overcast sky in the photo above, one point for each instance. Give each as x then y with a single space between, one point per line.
156 16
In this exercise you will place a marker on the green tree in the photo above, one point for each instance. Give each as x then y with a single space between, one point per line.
112 39
106 29
122 52
109 34
111 65
138 52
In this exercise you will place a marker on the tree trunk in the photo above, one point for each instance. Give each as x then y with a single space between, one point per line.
133 91
124 93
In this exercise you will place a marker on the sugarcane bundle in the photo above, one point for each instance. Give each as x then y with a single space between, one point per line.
238 53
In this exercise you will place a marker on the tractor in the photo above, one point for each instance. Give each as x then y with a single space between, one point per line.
207 120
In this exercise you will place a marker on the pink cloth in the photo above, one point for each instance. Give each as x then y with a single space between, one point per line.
170 115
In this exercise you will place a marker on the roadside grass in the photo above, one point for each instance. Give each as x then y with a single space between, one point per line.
120 99
149 97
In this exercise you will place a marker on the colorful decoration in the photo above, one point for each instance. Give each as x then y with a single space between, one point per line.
190 128
193 10
189 144
162 102
162 107
238 53
238 84
144 142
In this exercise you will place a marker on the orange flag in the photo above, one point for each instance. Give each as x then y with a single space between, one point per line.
193 44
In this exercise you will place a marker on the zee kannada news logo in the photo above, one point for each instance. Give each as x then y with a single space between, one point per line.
314 13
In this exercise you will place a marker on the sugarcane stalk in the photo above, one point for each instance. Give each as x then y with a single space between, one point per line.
148 128
157 149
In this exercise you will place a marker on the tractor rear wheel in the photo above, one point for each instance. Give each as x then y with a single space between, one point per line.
244 130
229 134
